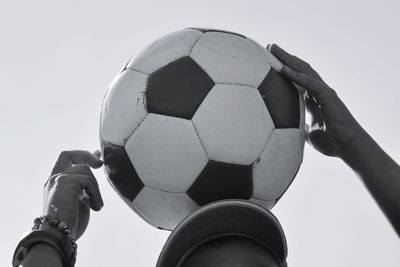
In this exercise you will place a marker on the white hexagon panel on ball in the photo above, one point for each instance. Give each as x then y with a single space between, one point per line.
123 107
164 50
166 153
233 124
278 164
163 209
230 58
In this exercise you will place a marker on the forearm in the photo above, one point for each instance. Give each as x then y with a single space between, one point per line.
380 174
42 255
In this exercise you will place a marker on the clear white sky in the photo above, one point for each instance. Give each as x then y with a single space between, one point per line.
57 59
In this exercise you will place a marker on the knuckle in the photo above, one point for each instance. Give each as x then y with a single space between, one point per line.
80 170
64 154
307 65
331 92
92 180
49 182
61 179
307 79
296 65
297 74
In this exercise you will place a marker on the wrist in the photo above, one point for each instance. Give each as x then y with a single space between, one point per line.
365 156
42 254
352 150
51 232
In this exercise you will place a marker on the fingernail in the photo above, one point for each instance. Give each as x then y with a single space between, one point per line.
272 46
97 153
99 163
286 69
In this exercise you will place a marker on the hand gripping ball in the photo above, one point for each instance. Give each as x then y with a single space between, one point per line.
197 116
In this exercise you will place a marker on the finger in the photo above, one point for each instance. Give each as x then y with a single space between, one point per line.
84 196
288 59
80 169
315 88
49 182
83 170
97 153
92 189
85 201
68 158
293 62
75 169
89 184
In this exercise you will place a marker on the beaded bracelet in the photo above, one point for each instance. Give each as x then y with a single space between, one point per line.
52 221
48 229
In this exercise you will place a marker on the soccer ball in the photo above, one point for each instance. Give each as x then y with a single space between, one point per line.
198 116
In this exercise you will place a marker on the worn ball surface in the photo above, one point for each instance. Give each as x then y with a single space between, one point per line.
197 116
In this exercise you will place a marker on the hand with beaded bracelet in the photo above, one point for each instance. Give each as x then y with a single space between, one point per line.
69 194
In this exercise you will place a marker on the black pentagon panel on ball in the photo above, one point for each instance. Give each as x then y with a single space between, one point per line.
177 89
220 180
282 100
120 170
204 30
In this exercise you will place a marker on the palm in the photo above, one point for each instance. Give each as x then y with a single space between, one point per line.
333 128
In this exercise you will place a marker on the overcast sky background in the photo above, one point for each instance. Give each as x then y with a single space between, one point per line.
57 59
